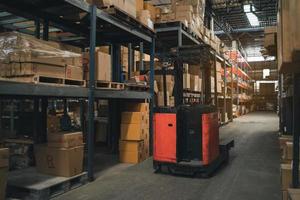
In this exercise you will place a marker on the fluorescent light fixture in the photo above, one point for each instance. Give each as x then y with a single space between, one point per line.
260 58
253 20
247 8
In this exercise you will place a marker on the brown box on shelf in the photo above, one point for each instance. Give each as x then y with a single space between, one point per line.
153 11
53 124
286 176
160 99
135 118
133 131
65 140
66 162
74 72
194 82
102 66
137 107
186 81
41 70
293 194
284 195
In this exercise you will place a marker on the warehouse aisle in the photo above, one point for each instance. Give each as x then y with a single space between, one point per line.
253 172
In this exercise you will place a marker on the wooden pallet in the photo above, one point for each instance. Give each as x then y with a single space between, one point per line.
136 87
39 79
107 85
29 184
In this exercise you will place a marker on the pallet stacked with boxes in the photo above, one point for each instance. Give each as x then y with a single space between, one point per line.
286 147
25 58
4 165
191 14
62 155
134 139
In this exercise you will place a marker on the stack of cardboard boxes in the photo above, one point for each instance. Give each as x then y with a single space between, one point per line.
30 57
170 87
4 164
62 155
195 78
134 139
286 147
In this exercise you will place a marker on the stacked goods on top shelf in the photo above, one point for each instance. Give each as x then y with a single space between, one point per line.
147 13
191 14
26 58
134 140
288 43
128 6
4 165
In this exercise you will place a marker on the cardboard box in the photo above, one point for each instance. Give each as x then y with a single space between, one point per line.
194 82
153 11
135 118
4 157
66 162
137 107
286 176
40 69
132 146
74 73
284 195
133 131
288 151
102 66
186 81
53 124
65 140
132 157
3 181
293 194
160 99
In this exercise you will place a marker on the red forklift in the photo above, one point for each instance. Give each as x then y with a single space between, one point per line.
186 137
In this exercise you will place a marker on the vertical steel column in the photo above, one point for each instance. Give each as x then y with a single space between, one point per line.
231 94
178 75
114 104
225 91
46 30
141 56
280 103
216 82
164 70
91 98
35 119
296 129
152 55
44 112
179 44
37 31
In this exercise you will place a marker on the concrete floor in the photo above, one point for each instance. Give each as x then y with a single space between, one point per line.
252 174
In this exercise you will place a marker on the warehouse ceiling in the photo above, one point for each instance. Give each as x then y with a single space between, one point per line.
233 12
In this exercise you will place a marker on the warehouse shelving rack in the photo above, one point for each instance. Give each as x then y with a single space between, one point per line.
242 82
177 37
97 27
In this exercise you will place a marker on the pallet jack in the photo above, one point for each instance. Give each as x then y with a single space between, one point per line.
186 137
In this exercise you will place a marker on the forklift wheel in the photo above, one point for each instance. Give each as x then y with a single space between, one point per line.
156 167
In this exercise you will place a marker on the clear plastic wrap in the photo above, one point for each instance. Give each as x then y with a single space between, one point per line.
18 47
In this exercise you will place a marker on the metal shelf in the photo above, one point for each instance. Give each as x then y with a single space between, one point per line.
19 89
